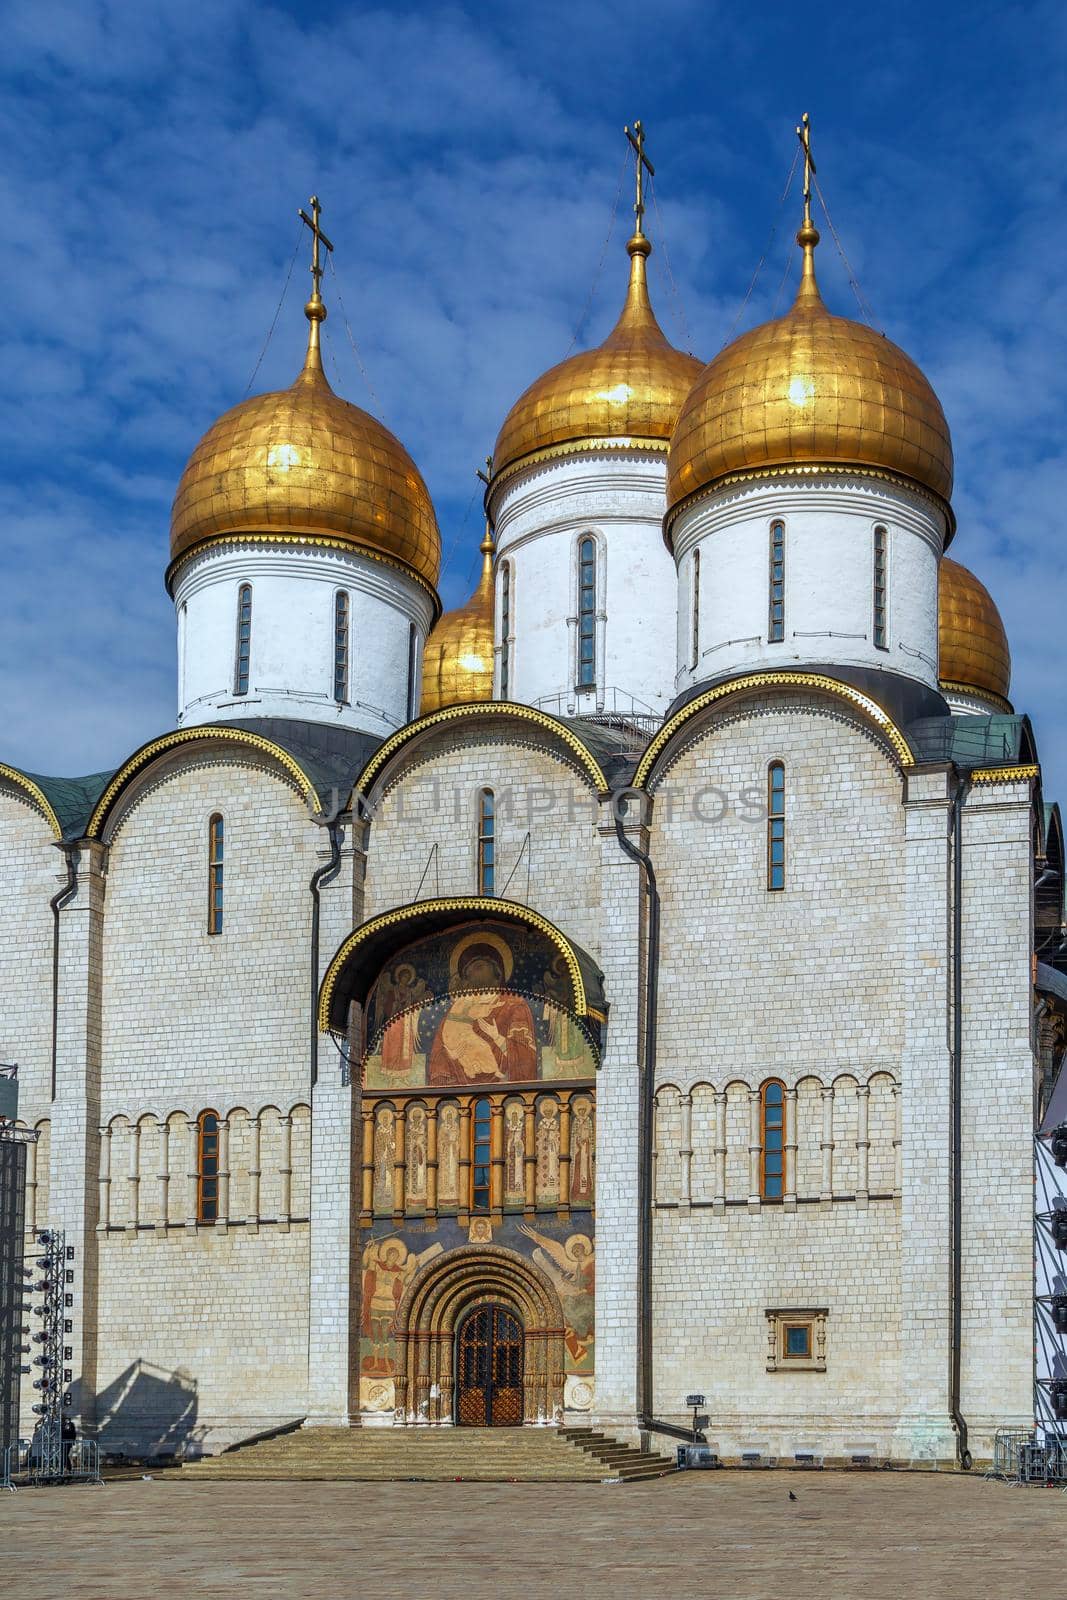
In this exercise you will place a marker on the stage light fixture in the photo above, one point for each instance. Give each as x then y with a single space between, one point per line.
1058 1229
1058 1312
1057 1143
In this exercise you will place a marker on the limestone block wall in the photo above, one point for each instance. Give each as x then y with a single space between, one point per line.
187 1016
432 800
31 872
202 1336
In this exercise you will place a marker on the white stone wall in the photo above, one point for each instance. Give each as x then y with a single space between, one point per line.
31 872
540 514
292 643
804 985
431 799
188 1016
829 576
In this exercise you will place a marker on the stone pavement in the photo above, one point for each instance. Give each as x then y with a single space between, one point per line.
734 1535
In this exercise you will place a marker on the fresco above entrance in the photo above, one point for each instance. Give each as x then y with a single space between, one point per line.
482 1004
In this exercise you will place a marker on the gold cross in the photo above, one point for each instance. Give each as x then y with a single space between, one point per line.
804 135
319 238
642 164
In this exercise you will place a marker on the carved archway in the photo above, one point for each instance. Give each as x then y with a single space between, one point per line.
440 1296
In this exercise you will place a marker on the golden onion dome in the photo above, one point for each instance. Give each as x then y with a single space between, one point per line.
973 647
810 388
457 664
306 463
627 391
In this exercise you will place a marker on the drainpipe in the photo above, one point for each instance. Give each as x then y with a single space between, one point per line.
57 902
645 1118
319 879
963 1454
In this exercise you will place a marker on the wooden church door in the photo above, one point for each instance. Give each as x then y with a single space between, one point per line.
489 1361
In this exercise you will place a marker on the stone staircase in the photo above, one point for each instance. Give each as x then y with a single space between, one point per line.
439 1455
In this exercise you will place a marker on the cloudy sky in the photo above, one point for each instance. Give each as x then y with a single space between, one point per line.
469 161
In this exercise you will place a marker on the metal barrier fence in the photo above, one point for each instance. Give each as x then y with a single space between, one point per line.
1029 1457
25 1464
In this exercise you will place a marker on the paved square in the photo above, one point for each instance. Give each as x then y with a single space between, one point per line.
728 1534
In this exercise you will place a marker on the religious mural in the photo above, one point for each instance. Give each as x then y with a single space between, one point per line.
485 1004
562 1248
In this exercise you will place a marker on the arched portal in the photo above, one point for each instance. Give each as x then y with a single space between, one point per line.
437 1308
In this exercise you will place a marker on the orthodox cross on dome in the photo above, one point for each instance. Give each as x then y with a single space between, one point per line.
319 237
642 165
804 135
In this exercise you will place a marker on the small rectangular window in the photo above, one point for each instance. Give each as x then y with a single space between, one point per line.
881 589
695 653
776 826
796 1340
776 609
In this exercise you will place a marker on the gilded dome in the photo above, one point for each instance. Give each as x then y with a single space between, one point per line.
457 664
813 388
973 646
629 389
304 461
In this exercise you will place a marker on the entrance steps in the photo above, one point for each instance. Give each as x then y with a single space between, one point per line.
439 1455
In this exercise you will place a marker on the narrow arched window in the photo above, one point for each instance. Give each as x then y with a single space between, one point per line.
413 668
776 612
881 591
776 826
772 1140
586 613
486 842
207 1167
480 1156
695 651
340 646
505 630
216 847
244 638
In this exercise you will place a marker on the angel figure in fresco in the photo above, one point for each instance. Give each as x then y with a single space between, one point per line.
564 1036
405 992
484 1037
388 1268
571 1269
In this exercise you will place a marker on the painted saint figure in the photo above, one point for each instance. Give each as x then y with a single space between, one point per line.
582 1152
514 1153
388 1268
487 1036
571 1269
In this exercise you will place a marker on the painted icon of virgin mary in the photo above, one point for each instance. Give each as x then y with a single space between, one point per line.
486 1035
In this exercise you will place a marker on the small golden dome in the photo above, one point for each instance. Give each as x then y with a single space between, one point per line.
306 462
812 388
973 646
457 664
629 389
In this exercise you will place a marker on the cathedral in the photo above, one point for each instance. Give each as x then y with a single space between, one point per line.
636 983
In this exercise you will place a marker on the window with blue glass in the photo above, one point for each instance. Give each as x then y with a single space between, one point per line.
216 845
586 613
776 613
480 1156
772 1157
486 842
776 826
244 639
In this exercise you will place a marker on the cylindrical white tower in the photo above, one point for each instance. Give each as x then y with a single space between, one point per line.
810 474
305 554
586 595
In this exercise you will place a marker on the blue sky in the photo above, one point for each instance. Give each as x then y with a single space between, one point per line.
468 159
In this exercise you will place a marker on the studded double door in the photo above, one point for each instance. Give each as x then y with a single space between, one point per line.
489 1358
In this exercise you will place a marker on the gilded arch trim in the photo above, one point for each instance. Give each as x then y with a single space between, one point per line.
19 780
454 908
480 709
148 753
774 680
